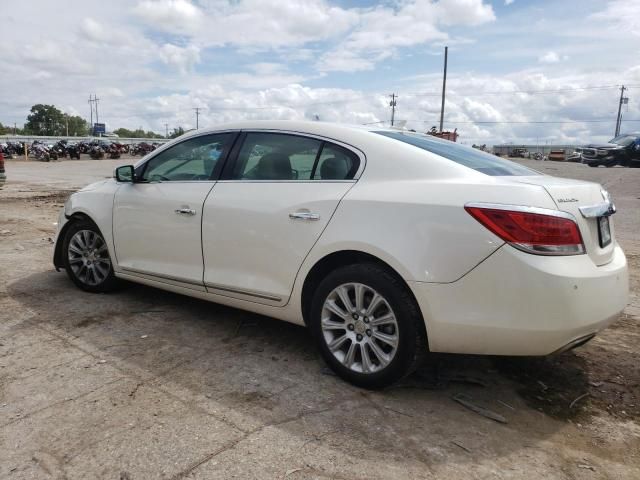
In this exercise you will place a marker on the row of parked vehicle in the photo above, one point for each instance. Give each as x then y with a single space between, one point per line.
96 149
623 150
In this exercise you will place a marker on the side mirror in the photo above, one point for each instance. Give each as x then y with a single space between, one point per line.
125 173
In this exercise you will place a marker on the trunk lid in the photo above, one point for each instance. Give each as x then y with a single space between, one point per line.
569 195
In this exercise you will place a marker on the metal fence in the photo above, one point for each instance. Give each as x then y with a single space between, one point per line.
54 139
506 149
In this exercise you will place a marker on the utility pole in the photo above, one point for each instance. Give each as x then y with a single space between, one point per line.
623 100
197 109
91 108
14 128
166 129
444 86
66 121
95 99
393 104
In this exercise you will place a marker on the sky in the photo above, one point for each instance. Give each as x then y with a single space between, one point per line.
515 66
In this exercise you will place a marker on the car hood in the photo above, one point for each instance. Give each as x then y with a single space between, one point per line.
93 186
604 146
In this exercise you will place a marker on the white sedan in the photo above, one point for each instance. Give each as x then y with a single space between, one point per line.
387 244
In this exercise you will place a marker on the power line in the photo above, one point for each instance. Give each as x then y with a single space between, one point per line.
524 122
529 92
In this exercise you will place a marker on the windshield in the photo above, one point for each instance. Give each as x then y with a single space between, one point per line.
469 157
624 140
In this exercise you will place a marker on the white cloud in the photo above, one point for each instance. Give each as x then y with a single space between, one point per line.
177 16
621 16
508 2
552 57
183 58
275 23
382 30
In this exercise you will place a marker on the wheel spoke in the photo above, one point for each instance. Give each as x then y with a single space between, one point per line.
93 240
75 260
351 355
384 320
382 357
359 291
344 297
85 239
367 365
391 340
102 270
73 248
373 304
331 325
333 307
337 342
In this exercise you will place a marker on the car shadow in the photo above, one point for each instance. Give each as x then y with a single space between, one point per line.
253 371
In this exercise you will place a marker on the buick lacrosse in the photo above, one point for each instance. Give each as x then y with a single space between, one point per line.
387 244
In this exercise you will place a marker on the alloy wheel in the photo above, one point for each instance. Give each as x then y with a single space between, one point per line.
89 258
359 328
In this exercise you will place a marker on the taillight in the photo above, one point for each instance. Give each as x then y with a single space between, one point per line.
548 233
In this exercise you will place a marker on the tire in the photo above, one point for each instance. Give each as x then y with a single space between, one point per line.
354 357
86 258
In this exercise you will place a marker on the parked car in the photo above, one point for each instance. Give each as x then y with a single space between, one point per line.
3 176
386 244
622 150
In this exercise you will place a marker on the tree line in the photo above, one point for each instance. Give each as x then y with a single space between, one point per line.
47 120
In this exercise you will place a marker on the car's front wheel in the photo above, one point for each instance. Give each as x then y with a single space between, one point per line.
86 258
367 325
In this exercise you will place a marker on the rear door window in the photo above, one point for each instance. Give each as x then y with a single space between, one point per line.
276 156
336 163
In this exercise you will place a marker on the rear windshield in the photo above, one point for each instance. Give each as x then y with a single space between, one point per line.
469 157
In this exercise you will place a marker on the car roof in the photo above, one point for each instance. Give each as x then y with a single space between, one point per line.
328 129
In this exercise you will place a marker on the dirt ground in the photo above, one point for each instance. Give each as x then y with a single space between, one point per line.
143 384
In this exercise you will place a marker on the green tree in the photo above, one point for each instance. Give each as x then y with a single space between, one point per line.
177 132
45 120
137 133
78 126
124 133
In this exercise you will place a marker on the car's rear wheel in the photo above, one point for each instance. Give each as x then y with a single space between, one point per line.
86 258
367 325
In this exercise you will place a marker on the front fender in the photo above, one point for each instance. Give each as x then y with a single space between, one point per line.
94 204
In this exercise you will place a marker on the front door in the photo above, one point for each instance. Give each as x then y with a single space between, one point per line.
157 220
262 219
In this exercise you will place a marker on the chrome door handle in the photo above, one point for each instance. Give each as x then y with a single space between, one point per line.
304 216
185 211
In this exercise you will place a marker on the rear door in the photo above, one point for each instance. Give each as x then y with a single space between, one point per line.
157 220
276 196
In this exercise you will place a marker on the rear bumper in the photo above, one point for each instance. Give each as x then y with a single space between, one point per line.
515 303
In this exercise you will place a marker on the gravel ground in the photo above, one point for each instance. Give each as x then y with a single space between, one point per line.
143 384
